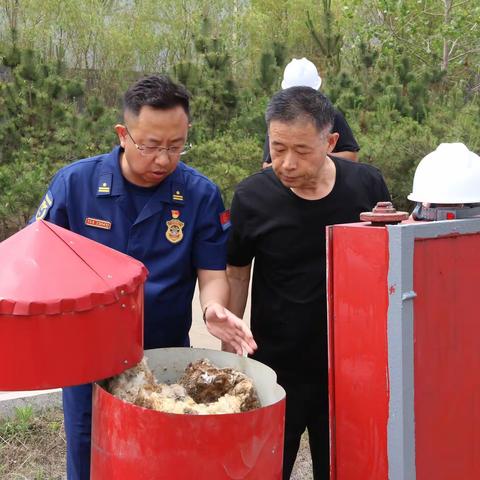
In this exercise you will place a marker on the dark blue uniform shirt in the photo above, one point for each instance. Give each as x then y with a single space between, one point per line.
177 232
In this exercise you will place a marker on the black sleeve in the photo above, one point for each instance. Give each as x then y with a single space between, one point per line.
384 193
346 140
381 190
240 251
266 151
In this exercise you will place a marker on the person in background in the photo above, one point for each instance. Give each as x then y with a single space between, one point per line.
141 200
303 73
446 185
278 218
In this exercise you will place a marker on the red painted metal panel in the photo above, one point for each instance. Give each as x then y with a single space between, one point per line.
358 296
331 355
130 442
46 351
47 270
447 357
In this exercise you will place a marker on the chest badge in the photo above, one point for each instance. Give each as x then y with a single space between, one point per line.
175 226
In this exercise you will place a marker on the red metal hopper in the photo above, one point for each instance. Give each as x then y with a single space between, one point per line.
131 442
71 309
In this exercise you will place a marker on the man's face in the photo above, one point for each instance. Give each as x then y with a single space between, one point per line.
299 152
152 128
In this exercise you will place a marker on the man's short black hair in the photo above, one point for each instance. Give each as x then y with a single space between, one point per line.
297 103
157 91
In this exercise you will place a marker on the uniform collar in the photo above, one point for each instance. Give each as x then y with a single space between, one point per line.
111 181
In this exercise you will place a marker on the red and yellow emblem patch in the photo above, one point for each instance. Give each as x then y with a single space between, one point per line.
175 226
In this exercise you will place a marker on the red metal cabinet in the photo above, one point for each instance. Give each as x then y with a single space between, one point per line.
404 350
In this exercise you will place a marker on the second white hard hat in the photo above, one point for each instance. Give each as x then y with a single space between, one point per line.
448 175
301 72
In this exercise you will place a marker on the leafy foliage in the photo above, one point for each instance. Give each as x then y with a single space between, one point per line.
45 123
212 84
226 161
405 74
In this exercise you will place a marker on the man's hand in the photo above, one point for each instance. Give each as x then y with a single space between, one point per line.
230 329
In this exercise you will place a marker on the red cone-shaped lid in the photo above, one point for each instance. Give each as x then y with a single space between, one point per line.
47 270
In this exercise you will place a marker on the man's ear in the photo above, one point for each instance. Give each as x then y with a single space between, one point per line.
121 133
332 141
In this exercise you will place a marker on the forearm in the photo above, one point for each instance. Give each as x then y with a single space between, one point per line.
348 155
214 296
213 286
239 280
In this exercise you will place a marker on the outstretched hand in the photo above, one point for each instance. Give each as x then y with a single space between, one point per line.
230 329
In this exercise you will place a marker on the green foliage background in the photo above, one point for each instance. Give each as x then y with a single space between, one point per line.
406 75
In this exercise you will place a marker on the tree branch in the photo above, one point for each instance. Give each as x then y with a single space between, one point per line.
452 47
474 50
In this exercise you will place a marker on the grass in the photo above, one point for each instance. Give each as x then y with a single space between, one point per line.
32 445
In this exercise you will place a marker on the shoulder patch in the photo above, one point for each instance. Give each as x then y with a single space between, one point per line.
45 206
104 184
225 219
178 193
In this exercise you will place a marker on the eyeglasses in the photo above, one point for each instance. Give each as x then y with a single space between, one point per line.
172 152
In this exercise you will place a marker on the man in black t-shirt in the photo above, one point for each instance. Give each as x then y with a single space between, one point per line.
278 218
301 72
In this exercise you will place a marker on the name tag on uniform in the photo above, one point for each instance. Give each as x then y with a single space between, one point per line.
95 222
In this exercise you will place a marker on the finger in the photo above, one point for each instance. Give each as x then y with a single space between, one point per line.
247 348
236 346
246 335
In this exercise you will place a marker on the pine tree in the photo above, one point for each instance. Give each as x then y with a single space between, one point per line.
45 122
327 38
215 92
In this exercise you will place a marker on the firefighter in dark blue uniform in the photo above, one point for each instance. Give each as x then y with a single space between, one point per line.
141 200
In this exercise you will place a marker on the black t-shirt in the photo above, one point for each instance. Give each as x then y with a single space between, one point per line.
286 236
346 141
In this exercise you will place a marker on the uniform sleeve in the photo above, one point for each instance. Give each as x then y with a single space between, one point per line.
53 206
210 238
241 247
346 141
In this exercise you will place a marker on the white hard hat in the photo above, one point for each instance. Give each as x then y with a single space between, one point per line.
448 175
301 72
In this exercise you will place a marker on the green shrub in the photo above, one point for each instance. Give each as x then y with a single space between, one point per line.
44 124
396 148
227 161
